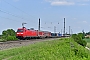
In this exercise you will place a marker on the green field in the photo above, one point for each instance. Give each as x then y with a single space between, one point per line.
62 49
88 42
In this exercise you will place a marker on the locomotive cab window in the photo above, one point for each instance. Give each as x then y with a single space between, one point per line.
20 30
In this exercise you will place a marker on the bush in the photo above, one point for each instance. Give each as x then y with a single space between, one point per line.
83 43
10 38
79 40
81 35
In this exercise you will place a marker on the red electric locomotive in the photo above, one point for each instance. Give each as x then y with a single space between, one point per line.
23 33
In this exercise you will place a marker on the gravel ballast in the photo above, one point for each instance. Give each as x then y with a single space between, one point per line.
13 44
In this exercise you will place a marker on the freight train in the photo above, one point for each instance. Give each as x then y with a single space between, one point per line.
24 33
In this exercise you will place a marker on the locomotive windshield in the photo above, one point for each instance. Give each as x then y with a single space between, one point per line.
20 30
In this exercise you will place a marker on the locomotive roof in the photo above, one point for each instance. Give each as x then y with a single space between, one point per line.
33 30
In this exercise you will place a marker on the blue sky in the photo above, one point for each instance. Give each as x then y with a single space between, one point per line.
14 12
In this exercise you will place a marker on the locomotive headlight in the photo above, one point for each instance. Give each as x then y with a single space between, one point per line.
17 33
21 33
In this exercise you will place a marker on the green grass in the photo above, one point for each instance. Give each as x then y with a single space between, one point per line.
1 40
62 49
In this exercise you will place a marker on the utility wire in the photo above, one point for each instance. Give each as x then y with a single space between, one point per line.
12 5
16 8
8 18
10 14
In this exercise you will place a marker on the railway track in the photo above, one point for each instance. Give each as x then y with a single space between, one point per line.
13 44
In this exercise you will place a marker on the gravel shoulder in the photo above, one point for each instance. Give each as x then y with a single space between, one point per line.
13 44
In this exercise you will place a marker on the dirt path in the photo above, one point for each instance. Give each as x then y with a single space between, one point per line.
87 48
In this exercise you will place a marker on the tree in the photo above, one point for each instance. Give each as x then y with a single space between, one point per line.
9 34
4 33
81 35
88 33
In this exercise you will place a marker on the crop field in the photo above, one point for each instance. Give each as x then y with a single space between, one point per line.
61 49
88 42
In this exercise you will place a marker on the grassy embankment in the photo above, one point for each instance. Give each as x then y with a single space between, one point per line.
62 49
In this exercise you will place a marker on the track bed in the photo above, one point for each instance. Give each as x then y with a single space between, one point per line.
13 44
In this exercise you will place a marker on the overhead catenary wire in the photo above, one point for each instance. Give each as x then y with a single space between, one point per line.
12 5
9 19
11 14
27 19
18 8
53 25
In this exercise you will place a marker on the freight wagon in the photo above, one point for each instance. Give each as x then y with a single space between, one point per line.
55 35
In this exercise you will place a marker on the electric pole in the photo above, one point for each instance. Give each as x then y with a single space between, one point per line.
61 31
39 25
64 26
69 30
54 29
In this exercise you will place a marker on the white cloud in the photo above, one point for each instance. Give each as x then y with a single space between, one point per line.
83 4
84 22
86 0
89 25
74 18
68 2
62 3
